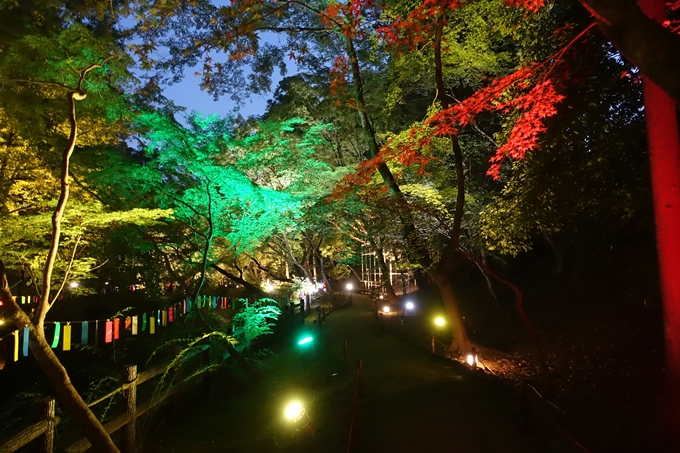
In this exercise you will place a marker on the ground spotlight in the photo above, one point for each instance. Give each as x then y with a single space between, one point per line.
297 415
305 340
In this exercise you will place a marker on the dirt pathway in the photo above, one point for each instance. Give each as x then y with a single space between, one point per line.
410 401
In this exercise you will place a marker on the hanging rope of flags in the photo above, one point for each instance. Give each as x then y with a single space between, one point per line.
61 335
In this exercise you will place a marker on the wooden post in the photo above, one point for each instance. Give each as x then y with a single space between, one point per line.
46 411
130 395
360 378
344 353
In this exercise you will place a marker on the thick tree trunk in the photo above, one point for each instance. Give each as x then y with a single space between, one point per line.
664 156
460 343
644 41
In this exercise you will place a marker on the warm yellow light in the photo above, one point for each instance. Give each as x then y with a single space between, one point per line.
381 296
471 359
269 287
2 321
386 309
439 321
294 411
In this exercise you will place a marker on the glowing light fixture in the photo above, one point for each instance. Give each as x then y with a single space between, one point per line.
438 322
349 287
381 297
73 284
305 340
294 411
410 305
269 287
386 309
472 358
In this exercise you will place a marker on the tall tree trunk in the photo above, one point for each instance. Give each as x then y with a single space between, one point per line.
385 274
460 340
664 156
405 217
460 343
54 371
285 246
322 270
208 242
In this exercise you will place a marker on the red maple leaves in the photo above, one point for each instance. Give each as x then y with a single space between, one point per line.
537 105
524 93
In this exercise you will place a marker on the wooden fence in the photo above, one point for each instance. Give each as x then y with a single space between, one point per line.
43 430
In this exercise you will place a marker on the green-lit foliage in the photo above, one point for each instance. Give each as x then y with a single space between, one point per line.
24 239
254 320
228 196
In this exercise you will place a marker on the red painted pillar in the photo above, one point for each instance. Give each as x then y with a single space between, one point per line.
664 156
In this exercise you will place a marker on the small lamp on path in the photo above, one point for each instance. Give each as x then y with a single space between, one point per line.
472 358
439 322
297 414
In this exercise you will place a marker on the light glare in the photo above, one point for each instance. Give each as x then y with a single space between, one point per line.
294 411
410 306
386 309
305 340
439 321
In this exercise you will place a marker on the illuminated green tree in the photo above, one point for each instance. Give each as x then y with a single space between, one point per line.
228 196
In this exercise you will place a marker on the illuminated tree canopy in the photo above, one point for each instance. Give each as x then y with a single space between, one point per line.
449 134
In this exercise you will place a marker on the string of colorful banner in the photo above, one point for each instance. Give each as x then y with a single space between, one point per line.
91 330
